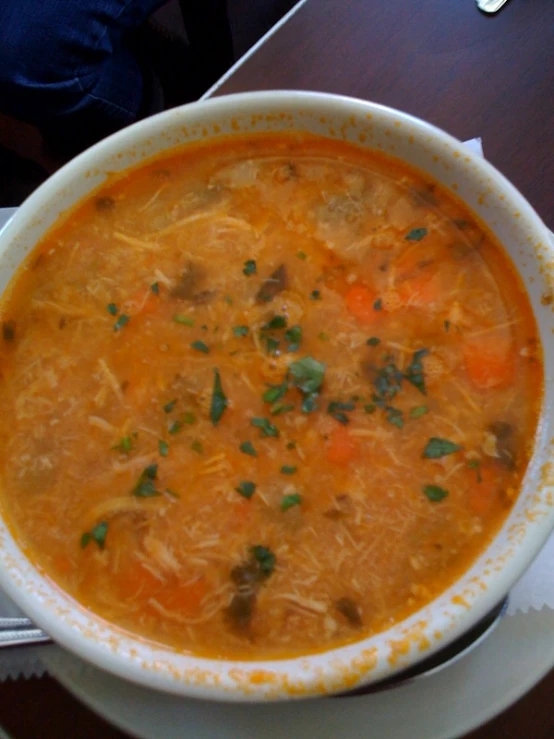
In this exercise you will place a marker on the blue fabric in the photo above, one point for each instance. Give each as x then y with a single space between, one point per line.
67 60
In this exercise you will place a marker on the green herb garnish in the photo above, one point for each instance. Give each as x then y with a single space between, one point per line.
175 427
265 558
288 469
246 489
275 323
240 330
336 409
249 267
228 299
271 345
163 448
378 304
97 534
219 400
475 464
265 426
200 347
370 407
289 501
395 416
197 447
183 320
125 444
294 337
301 255
189 418
168 407
419 411
323 336
112 309
315 295
247 448
275 392
436 448
435 493
155 287
374 341
447 326
145 487
414 371
307 374
123 320
416 234
279 408
291 445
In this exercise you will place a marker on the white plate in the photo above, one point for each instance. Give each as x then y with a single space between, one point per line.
451 703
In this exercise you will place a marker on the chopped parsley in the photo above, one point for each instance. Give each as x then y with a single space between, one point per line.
288 469
323 336
289 501
315 295
274 323
228 299
373 341
475 464
189 417
301 255
291 445
219 400
112 309
378 304
125 444
265 426
241 330
437 448
435 493
123 320
155 287
247 448
168 407
447 326
275 392
249 267
197 447
416 234
414 371
200 347
265 558
145 487
246 488
183 320
278 408
395 416
307 375
294 337
271 344
370 407
336 409
96 534
163 448
175 427
419 411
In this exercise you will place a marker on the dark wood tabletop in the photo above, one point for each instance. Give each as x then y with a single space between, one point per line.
442 60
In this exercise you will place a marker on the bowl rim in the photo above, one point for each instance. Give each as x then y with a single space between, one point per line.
314 678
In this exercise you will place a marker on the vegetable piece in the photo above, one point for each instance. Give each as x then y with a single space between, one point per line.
289 501
301 255
265 426
247 448
112 309
265 558
287 469
200 347
145 487
175 427
437 448
419 411
373 341
187 283
336 409
350 610
189 418
168 407
291 445
163 448
490 363
395 416
434 493
275 323
125 444
96 534
155 287
123 320
183 320
294 337
315 295
197 447
370 407
219 400
416 234
360 302
249 267
246 488
414 371
341 448
275 283
241 330
378 304
307 374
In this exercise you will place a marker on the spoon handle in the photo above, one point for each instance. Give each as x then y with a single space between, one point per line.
22 637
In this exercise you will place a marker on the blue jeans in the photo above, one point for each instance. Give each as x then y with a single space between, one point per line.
66 60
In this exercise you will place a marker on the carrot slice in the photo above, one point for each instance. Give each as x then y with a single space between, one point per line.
360 302
490 363
342 448
486 486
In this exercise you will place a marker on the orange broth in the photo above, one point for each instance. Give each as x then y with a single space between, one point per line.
264 396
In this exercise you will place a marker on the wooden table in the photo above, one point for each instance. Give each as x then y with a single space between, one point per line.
442 60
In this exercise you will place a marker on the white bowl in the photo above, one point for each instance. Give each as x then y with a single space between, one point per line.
526 529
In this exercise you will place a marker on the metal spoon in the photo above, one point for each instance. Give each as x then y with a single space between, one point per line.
19 632
490 6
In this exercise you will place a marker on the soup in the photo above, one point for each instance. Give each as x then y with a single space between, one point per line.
264 396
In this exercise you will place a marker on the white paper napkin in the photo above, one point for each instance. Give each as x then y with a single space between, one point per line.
534 590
